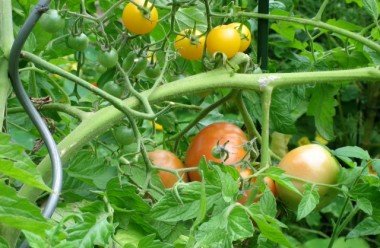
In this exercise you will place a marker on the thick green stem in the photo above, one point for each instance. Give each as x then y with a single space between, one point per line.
6 27
5 87
65 108
369 43
6 41
104 119
266 99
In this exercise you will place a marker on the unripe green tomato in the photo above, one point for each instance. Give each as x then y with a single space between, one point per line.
78 42
312 163
109 58
152 70
133 59
101 69
113 88
124 135
51 21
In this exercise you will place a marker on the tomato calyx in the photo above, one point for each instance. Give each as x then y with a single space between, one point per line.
220 151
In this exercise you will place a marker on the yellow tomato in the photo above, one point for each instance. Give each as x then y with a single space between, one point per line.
245 35
136 20
190 44
224 39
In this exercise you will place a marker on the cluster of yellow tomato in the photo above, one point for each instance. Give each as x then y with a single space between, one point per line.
141 17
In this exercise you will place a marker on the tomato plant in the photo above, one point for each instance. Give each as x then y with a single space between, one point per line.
51 21
138 18
168 160
310 75
224 39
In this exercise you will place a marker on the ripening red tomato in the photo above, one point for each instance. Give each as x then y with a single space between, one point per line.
268 181
312 163
206 141
168 160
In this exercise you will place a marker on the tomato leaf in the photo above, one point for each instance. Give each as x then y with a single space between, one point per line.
20 213
322 107
376 165
352 152
171 209
92 230
151 242
365 205
348 176
3 243
367 227
371 6
94 173
222 229
270 230
268 203
16 164
309 201
279 176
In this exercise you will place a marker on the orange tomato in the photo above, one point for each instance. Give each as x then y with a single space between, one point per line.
206 140
168 160
224 39
138 22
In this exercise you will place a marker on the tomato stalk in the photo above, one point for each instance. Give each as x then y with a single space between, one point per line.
6 41
266 99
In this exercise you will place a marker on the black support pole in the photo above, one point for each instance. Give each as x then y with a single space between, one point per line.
262 39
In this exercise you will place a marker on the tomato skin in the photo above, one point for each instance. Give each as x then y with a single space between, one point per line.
245 35
78 42
312 163
204 142
168 160
269 184
51 21
124 135
133 59
135 21
113 88
223 39
152 70
109 58
190 48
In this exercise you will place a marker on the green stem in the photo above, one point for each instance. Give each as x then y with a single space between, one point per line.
118 103
6 41
251 128
200 116
6 27
369 43
250 125
318 16
65 108
266 99
5 87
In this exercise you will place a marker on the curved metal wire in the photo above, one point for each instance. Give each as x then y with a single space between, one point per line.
21 94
